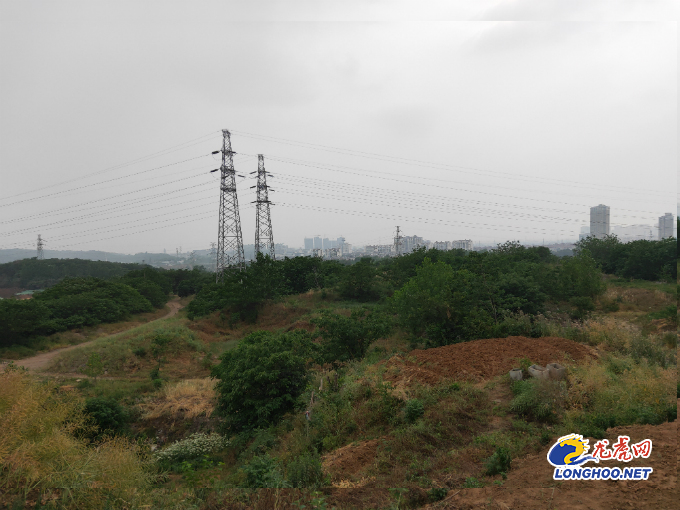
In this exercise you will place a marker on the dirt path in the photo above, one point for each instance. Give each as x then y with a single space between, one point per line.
42 360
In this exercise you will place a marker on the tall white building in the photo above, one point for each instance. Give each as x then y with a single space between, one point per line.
599 221
462 244
666 226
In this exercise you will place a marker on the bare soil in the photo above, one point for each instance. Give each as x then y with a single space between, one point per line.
349 460
481 360
530 485
40 361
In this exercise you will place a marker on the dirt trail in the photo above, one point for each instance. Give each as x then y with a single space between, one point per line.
42 360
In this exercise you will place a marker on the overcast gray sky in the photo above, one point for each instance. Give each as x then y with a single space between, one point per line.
488 120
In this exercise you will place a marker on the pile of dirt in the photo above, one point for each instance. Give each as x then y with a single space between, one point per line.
480 359
349 460
530 485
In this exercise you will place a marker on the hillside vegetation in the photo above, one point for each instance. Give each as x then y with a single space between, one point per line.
378 384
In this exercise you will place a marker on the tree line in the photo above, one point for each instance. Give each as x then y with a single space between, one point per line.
77 301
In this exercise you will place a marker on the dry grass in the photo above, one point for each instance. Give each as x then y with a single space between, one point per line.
595 387
639 299
184 400
39 448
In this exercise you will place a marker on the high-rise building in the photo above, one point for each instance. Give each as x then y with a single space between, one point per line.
326 243
666 224
462 244
317 243
309 243
599 221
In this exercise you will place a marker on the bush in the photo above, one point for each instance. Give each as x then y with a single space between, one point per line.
260 380
498 463
472 483
196 445
539 400
413 410
583 305
437 494
108 415
348 338
305 471
263 472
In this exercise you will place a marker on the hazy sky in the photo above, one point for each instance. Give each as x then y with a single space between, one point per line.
488 120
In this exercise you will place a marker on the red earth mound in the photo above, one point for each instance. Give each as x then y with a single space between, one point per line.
481 359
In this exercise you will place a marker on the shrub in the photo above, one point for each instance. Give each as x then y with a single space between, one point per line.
437 494
643 347
348 338
94 367
540 400
305 471
260 380
263 472
413 410
583 305
196 445
472 483
498 463
108 415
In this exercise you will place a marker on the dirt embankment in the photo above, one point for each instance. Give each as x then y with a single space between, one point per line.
40 361
481 359
530 485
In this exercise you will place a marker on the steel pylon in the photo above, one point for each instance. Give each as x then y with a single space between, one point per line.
229 241
264 235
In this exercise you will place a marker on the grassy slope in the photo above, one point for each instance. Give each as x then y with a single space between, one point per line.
461 425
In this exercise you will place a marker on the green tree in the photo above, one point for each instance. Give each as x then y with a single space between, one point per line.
348 338
94 367
578 276
444 304
359 281
260 379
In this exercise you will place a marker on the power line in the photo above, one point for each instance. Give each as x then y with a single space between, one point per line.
429 164
102 182
115 167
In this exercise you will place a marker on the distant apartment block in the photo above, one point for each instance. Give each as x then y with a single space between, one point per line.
599 221
309 243
462 244
666 226
317 243
410 243
442 245
380 250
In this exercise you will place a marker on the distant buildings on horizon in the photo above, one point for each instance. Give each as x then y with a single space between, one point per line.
600 227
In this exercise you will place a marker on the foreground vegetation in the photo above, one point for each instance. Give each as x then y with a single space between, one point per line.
287 379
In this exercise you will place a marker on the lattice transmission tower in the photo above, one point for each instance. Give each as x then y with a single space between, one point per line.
397 242
41 254
229 241
264 235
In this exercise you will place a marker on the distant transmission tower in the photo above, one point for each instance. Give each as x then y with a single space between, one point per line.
229 240
264 236
41 255
213 253
397 242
